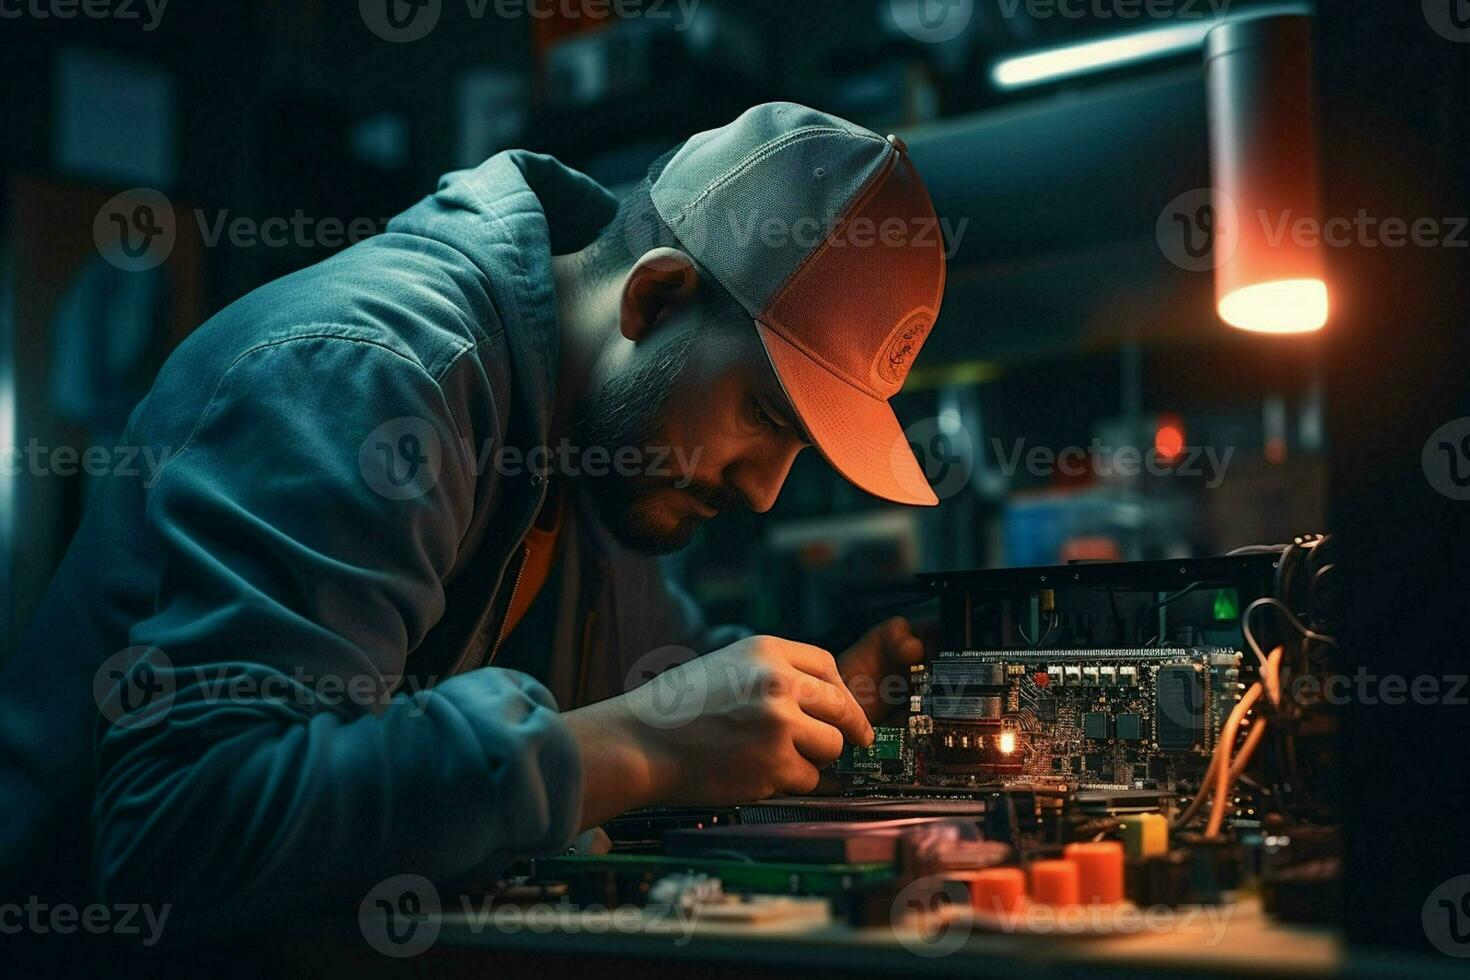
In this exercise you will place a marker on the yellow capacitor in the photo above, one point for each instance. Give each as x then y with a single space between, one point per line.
1145 835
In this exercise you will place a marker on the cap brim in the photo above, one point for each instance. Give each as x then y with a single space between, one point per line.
855 432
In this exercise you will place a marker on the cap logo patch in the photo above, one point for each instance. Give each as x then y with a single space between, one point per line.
898 356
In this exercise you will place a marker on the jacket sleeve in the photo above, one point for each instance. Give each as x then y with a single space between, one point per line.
307 525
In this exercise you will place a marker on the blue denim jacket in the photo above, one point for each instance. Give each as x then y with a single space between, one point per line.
309 579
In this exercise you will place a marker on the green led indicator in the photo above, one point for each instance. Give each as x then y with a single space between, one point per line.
1227 606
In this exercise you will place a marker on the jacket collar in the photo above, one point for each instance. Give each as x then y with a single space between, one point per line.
509 216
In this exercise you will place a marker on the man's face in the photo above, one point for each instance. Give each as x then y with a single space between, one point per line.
714 431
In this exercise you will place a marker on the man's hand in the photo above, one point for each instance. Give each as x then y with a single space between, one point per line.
757 718
876 668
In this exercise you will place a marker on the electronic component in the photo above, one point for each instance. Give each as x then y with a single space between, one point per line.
1179 707
1002 715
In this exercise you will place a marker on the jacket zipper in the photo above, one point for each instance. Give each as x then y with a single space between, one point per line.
515 587
459 661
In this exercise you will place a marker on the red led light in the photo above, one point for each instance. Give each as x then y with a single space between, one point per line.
1169 441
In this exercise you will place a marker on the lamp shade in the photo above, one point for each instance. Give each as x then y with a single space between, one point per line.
1269 273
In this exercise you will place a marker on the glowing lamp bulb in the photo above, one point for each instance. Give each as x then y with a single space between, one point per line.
1007 743
1263 160
1285 306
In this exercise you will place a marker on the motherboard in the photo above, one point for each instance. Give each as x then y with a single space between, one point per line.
1140 717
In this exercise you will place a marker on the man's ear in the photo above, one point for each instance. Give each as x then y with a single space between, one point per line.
661 280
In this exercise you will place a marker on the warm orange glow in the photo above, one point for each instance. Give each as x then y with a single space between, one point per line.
1284 306
1007 743
1169 441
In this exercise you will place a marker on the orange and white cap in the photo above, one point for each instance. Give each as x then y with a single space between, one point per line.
824 233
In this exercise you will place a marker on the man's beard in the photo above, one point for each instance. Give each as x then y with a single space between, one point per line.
627 413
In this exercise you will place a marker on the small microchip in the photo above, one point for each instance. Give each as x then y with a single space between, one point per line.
1095 725
884 755
1179 694
1046 709
1130 727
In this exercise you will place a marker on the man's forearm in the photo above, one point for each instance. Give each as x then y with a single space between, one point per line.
620 771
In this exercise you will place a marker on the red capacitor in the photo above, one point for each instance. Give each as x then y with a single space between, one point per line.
1054 882
1099 871
997 890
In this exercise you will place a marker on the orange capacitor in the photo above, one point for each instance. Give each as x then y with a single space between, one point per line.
1054 882
1099 871
997 890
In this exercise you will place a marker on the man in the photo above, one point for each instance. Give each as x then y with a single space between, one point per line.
299 657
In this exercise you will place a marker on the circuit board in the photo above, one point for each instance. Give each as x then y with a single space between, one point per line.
1139 717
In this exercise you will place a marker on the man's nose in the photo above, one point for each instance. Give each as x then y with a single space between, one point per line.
759 479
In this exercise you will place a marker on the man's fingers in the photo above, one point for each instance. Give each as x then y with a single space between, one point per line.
818 742
818 664
800 777
833 703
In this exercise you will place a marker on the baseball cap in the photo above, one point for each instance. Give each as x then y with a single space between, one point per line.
825 235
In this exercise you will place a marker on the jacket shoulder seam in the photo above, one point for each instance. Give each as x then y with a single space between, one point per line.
281 342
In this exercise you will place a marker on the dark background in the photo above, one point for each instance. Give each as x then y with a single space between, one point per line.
1064 321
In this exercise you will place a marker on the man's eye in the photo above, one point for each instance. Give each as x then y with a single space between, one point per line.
763 418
